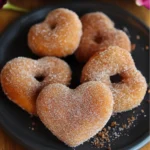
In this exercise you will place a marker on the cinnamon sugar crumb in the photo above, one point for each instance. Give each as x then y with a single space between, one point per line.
146 47
130 121
104 135
124 126
32 129
125 29
137 37
97 143
109 127
133 46
112 132
113 123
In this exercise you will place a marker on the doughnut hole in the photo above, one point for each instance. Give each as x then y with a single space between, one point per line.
98 39
117 78
39 78
53 26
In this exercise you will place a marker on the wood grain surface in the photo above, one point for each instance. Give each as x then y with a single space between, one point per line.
8 16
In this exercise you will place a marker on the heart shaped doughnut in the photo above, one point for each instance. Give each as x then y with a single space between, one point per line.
75 115
23 78
98 34
58 35
130 90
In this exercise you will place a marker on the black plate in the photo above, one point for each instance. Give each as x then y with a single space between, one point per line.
13 43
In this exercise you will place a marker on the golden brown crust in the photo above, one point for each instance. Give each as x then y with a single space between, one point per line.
98 34
131 90
91 20
58 35
75 116
18 79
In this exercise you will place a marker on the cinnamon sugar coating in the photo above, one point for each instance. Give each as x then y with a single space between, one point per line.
130 91
75 115
98 34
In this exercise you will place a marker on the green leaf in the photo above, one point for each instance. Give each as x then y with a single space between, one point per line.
13 7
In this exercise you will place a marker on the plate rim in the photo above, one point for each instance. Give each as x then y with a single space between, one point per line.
140 142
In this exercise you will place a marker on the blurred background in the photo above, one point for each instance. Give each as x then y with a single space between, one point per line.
13 9
9 14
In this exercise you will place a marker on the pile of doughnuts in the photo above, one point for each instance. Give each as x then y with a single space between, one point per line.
40 86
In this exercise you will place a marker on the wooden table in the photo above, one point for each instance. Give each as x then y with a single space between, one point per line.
8 16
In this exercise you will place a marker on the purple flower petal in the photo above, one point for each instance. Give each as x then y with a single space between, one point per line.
2 2
145 3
